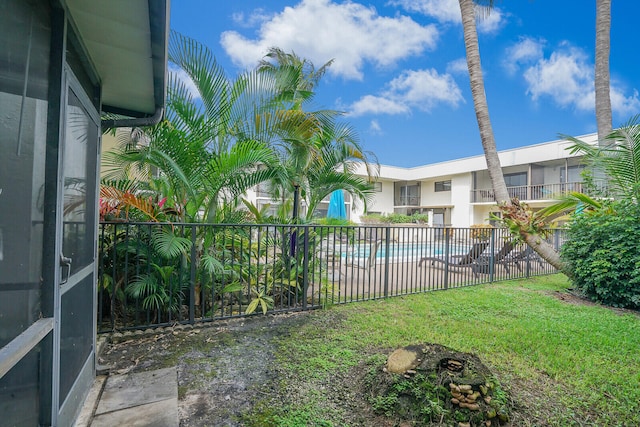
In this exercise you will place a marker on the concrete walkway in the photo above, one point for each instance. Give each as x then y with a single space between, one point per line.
136 399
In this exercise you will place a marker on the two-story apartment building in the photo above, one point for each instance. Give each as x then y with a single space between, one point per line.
458 193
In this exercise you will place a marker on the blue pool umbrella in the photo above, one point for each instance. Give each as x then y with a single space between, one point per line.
337 208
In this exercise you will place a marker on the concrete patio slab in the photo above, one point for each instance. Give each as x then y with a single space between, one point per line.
139 399
163 413
125 391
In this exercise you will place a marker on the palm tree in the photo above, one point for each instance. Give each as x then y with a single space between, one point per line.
317 153
215 143
602 79
618 156
518 216
334 168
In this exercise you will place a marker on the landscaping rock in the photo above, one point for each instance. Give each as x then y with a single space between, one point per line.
404 359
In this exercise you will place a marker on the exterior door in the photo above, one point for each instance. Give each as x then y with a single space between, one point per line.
79 153
438 223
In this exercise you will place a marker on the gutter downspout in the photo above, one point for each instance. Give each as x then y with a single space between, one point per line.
136 122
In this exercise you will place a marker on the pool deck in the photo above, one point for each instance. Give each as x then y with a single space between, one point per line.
361 282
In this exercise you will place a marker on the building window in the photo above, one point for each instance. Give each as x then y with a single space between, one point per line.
377 186
443 186
573 174
515 179
407 195
517 185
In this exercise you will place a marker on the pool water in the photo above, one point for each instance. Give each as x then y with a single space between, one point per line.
408 251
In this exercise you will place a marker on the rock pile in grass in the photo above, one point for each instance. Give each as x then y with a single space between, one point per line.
429 384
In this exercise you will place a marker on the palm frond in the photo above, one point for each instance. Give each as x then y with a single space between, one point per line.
168 245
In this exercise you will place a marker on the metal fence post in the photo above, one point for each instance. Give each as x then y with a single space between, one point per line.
386 260
305 267
447 242
492 255
192 285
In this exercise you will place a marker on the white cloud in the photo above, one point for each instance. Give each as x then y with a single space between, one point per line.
257 17
624 105
567 78
526 51
448 11
178 73
441 10
458 66
491 23
374 128
370 104
420 89
321 30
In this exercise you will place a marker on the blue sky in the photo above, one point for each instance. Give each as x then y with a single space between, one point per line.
399 70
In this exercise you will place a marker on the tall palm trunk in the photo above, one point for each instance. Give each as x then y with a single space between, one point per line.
480 101
602 79
467 8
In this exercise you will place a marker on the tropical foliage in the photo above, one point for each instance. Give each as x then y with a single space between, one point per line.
222 137
603 252
618 156
319 154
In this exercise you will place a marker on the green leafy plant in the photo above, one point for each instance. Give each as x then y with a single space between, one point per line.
396 218
372 218
481 231
603 251
420 218
261 299
521 220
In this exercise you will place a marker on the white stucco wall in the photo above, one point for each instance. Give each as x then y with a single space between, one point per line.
382 202
461 214
429 197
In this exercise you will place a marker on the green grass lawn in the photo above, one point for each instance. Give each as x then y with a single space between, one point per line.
562 363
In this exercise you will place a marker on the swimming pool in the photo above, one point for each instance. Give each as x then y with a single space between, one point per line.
405 252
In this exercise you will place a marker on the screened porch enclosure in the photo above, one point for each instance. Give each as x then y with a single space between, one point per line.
50 127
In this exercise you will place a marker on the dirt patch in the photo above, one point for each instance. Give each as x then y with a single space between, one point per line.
573 297
222 370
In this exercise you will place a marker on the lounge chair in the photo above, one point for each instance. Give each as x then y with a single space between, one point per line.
467 260
503 257
352 258
525 255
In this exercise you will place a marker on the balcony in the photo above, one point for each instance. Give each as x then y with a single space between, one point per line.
407 201
530 192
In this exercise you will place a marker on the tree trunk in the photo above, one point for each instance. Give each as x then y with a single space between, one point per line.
467 9
480 102
602 78
547 252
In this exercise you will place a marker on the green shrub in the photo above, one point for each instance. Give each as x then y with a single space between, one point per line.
394 218
372 219
603 252
338 222
397 218
420 218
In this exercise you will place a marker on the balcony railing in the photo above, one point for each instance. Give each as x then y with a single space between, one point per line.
531 192
407 201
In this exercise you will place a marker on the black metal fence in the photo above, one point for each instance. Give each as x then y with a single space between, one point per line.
153 274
